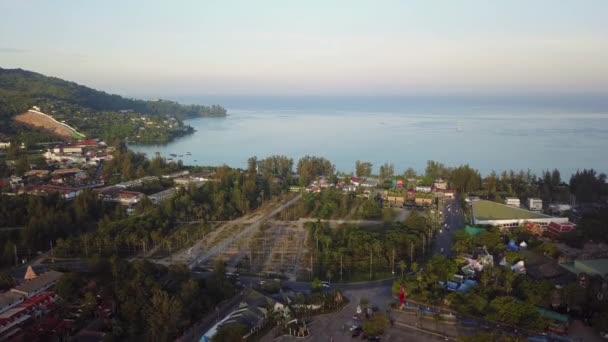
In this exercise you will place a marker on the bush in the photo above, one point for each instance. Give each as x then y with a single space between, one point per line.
375 325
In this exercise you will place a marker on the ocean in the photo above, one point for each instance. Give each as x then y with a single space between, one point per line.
488 133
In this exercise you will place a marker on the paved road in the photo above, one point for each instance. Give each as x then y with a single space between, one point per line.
452 217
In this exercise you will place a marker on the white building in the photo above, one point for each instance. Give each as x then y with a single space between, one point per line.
423 189
535 204
512 201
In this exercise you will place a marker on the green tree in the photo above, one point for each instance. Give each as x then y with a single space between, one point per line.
363 169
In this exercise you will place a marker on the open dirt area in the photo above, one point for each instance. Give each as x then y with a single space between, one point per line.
34 119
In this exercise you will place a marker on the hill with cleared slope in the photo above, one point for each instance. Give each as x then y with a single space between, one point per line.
22 89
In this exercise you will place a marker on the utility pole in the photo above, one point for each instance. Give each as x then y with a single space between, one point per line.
311 270
86 247
52 256
16 258
340 267
393 261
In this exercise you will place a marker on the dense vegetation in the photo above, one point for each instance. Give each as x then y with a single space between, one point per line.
357 253
93 112
151 302
21 89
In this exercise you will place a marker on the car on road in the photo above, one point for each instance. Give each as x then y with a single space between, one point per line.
356 332
326 284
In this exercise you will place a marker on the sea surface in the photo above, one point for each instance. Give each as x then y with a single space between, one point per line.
488 134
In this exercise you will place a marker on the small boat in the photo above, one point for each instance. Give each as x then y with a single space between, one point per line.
173 155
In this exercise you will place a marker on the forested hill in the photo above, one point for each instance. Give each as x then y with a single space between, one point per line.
22 89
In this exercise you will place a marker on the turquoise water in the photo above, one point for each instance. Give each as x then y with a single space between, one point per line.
488 136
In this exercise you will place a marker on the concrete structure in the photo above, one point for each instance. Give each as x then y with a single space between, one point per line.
512 201
535 204
590 267
504 216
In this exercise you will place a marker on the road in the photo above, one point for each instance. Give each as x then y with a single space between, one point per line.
452 216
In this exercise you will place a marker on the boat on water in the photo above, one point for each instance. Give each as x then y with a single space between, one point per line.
173 155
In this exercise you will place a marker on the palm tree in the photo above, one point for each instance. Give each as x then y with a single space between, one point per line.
329 274
402 266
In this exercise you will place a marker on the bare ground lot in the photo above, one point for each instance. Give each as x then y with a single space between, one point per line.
40 121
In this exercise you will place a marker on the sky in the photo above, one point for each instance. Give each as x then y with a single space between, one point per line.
221 48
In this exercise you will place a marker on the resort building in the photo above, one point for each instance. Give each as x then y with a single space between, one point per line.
535 204
512 201
504 216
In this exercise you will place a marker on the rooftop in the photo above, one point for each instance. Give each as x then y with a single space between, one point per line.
487 210
35 284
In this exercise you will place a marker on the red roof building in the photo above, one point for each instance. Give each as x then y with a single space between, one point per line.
555 230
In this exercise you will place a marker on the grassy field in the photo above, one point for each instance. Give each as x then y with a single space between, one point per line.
487 210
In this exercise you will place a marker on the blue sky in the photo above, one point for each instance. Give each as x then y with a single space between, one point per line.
191 48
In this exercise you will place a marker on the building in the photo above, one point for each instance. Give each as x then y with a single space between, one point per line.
10 299
555 229
445 193
558 208
370 183
37 285
252 313
118 195
504 216
67 193
67 149
421 188
535 204
512 201
440 184
423 201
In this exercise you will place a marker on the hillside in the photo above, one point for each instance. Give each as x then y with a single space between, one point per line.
44 121
21 89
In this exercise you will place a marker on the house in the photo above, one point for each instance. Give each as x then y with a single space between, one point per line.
445 193
440 184
423 201
423 188
535 204
40 283
5 145
512 201
118 195
356 181
555 229
86 143
67 149
370 183
37 173
67 193
558 208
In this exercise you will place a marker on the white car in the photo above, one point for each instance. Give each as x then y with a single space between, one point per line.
325 284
